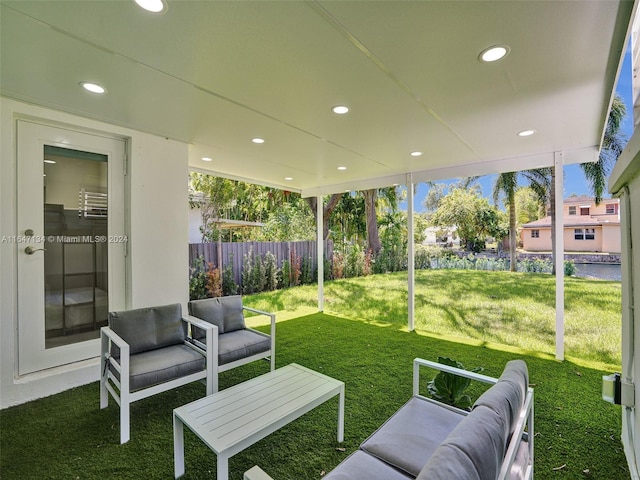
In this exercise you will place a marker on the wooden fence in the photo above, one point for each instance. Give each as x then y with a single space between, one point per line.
225 253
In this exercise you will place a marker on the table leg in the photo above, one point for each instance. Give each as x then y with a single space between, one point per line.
178 446
341 415
223 467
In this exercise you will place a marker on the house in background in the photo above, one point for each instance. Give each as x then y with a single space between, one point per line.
587 227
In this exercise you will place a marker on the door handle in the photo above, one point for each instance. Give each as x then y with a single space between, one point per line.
30 250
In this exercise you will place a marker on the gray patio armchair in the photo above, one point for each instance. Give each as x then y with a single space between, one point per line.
237 344
151 350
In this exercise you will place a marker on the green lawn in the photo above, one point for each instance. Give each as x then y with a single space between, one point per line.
67 436
513 309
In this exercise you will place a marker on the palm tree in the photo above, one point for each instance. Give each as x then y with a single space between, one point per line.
507 183
613 142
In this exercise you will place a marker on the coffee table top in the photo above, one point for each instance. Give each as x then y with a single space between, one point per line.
235 418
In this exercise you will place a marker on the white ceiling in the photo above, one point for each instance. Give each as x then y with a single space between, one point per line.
217 73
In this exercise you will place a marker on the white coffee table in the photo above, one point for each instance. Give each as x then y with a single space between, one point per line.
234 419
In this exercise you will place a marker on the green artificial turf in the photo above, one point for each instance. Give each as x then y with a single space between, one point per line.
478 318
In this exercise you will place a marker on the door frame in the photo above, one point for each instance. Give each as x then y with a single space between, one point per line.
31 136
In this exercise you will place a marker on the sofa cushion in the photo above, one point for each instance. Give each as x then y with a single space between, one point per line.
210 310
412 434
149 328
362 466
233 314
507 396
162 365
474 450
239 344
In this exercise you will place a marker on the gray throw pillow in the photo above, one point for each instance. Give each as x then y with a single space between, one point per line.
210 310
233 316
149 328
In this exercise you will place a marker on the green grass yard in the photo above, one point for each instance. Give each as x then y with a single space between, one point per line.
459 315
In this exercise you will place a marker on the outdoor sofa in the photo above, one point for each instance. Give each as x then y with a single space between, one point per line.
428 440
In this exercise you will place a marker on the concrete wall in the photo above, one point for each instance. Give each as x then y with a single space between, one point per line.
542 243
611 238
158 235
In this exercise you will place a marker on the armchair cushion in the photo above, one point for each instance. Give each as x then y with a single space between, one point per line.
360 465
158 366
233 315
240 344
149 328
210 310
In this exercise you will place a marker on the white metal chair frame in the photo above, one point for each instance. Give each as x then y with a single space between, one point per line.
119 389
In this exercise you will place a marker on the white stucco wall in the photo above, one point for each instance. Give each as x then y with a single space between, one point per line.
158 234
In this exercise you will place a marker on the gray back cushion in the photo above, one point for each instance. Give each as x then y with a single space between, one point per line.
149 328
210 310
507 396
473 450
233 316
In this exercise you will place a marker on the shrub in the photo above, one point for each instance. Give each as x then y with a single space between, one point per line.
569 267
229 285
307 273
214 281
270 271
197 279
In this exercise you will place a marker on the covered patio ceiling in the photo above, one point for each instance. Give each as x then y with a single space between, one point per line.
217 74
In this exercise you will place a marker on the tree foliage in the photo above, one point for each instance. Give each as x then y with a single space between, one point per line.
473 217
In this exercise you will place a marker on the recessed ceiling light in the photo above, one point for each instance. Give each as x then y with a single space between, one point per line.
288 179
526 133
342 168
207 159
340 109
93 87
153 6
257 140
415 154
49 161
494 53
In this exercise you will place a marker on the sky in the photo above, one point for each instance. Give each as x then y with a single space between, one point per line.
574 181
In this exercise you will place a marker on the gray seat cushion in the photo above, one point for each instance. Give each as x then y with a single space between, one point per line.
408 439
474 450
239 344
149 328
362 466
162 365
210 310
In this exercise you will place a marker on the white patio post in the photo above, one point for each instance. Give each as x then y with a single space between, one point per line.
559 260
320 246
411 253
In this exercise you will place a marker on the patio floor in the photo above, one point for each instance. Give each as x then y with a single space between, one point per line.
68 436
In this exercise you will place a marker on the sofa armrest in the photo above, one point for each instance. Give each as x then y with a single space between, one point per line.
256 473
419 362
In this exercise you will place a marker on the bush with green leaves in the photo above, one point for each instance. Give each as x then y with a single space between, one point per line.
198 279
270 271
569 268
229 285
449 388
307 273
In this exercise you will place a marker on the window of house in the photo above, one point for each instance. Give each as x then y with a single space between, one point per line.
584 210
612 208
572 210
535 233
589 233
578 234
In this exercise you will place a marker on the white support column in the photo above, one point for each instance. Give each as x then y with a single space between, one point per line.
320 238
411 253
559 260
